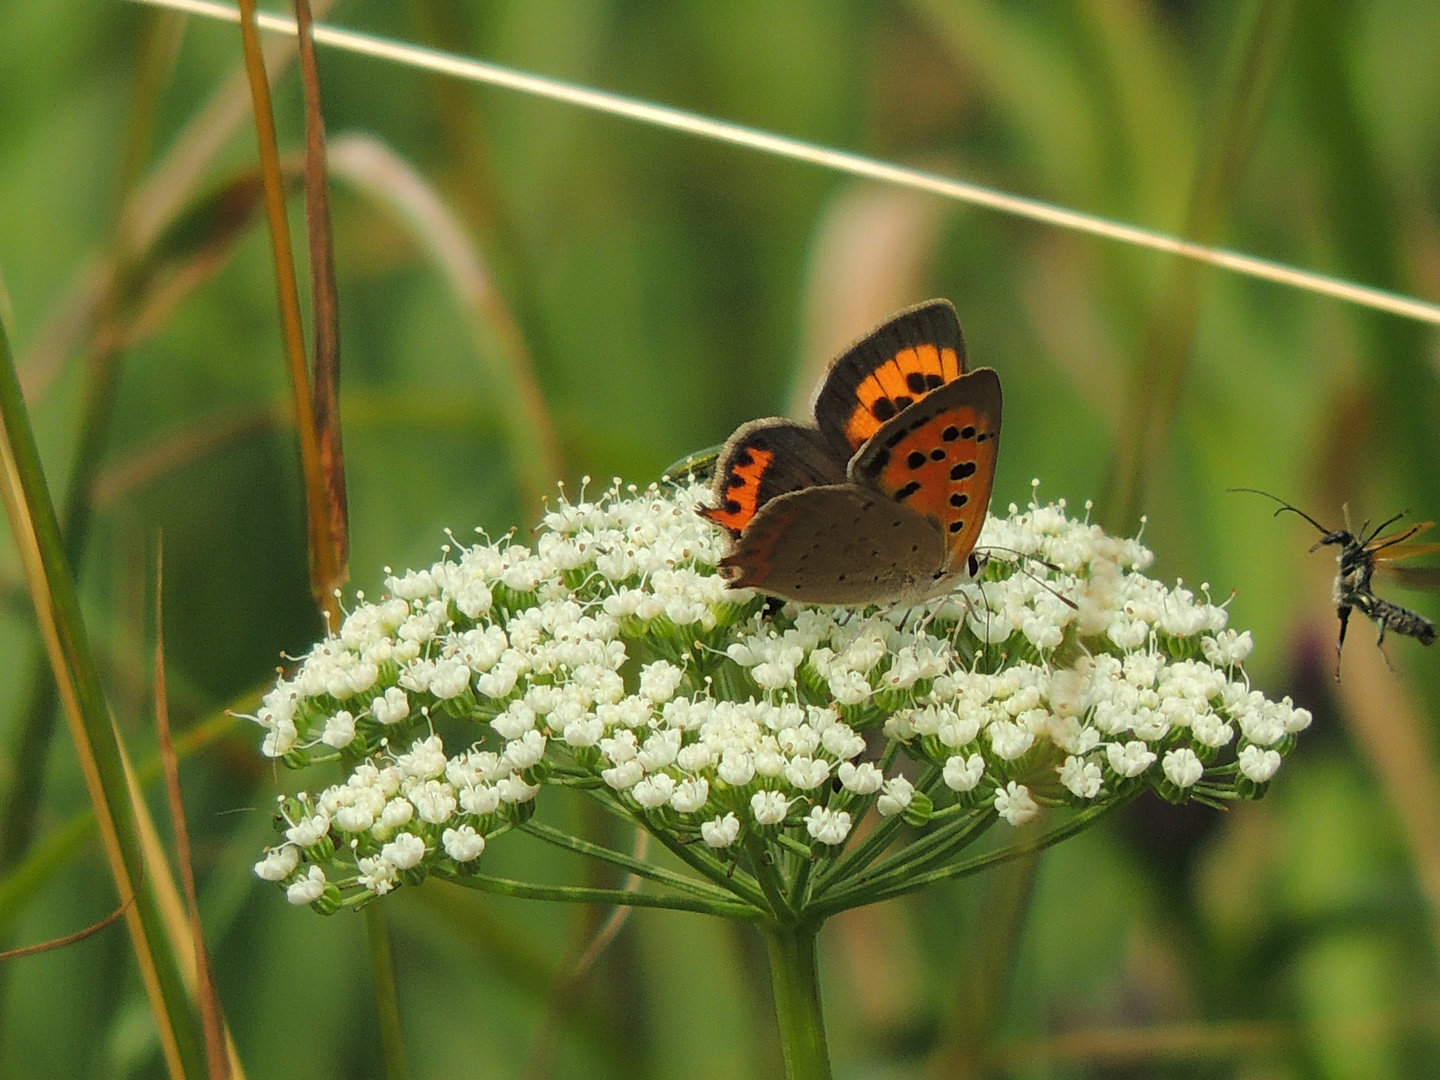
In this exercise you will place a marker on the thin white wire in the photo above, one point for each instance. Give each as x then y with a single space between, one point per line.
798 150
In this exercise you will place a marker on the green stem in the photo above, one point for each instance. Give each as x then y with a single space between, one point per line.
387 1000
919 856
625 862
795 977
767 875
728 876
864 895
868 850
57 609
574 895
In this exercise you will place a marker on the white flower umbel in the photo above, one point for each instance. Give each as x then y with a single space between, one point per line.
607 656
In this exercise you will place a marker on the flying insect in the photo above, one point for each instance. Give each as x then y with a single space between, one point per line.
1360 553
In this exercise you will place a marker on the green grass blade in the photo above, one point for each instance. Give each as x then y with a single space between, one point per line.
57 610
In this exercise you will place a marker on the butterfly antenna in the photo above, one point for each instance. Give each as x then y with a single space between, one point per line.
1286 506
1020 557
1071 604
988 613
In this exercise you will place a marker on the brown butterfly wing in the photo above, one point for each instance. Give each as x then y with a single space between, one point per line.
897 364
763 459
937 458
838 544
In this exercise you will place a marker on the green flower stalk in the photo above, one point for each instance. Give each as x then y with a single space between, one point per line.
611 659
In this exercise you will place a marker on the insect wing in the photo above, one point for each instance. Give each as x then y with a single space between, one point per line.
938 458
887 370
839 544
1402 542
764 459
1418 578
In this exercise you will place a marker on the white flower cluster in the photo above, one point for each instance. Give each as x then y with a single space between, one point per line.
610 657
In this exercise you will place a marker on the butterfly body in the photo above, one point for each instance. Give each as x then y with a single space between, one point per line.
882 498
1360 554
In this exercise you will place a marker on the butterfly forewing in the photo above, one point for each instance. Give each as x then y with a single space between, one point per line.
886 371
840 544
938 458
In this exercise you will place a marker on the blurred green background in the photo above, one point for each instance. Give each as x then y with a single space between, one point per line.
662 289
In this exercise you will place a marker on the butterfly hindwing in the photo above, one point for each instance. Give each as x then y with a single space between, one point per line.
891 368
836 544
938 458
764 459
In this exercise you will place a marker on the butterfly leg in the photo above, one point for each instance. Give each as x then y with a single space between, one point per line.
924 621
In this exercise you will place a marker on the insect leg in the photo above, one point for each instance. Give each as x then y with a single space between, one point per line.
1343 613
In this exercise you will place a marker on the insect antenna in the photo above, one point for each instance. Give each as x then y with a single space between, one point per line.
1389 541
1286 506
1021 557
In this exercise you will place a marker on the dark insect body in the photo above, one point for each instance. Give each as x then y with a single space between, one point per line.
1361 552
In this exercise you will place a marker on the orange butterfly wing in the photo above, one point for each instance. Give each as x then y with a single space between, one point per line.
899 363
938 458
765 459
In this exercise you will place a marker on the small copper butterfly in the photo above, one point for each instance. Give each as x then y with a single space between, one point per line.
882 498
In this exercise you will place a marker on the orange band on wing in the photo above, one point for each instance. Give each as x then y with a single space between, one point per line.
904 379
741 494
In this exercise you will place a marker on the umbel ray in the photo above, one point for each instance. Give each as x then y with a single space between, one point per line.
1361 552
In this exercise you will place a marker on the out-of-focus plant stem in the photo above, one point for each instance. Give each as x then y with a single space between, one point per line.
387 1000
57 609
325 575
383 177
46 858
1368 222
98 304
17 821
1158 379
